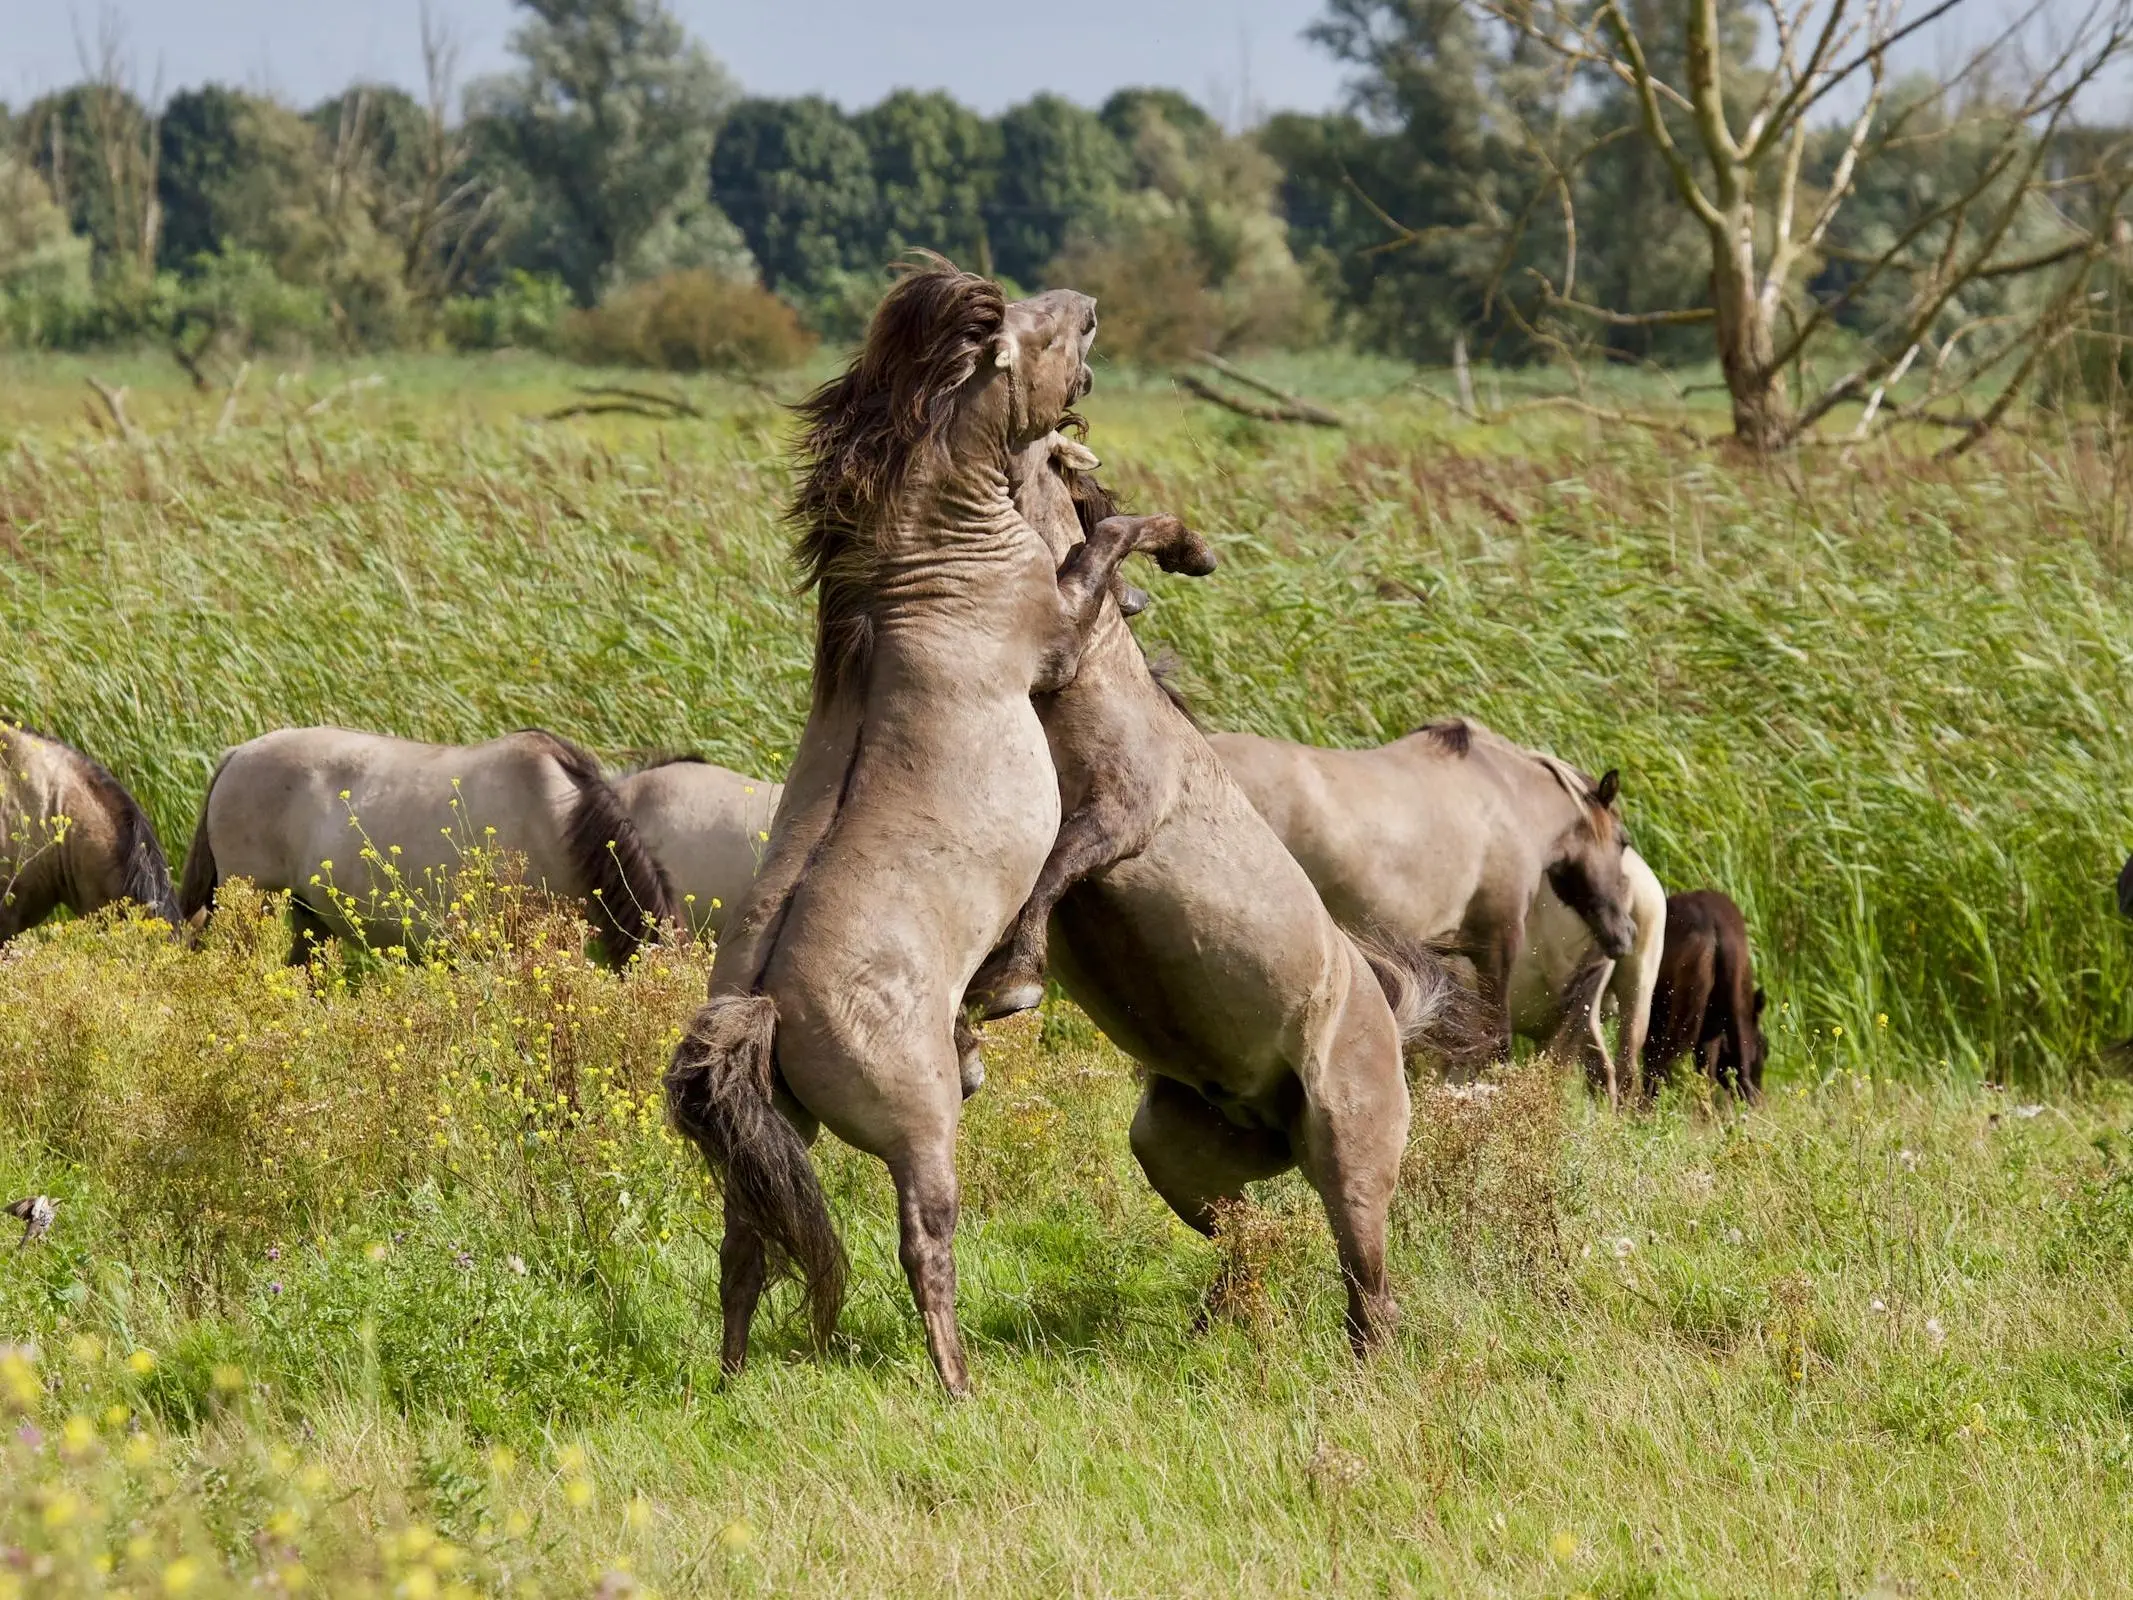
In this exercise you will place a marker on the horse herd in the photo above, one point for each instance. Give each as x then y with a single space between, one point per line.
993 787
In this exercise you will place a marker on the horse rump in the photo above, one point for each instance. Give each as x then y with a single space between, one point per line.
632 896
718 1091
1440 1019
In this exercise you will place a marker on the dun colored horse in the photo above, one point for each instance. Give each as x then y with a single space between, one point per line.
922 799
71 836
1446 836
365 832
1271 1038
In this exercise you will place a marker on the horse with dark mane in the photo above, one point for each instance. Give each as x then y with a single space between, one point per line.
71 836
1271 1038
922 798
366 831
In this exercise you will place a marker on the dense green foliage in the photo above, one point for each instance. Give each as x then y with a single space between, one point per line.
387 1270
1473 189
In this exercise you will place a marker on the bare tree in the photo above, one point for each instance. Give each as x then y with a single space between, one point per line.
120 132
2030 219
448 223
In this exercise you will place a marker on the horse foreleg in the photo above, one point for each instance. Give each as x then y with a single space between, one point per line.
1353 1133
1492 971
1199 1161
969 1060
1110 826
1087 575
926 1201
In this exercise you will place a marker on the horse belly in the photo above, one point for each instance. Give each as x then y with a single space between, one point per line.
1207 957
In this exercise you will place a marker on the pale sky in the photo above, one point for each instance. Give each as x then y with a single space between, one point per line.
986 53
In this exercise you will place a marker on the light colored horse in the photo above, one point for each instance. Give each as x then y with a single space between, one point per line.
366 831
70 835
1271 1038
922 798
707 826
1445 837
1562 984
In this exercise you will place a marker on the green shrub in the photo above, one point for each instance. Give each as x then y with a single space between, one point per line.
690 322
526 312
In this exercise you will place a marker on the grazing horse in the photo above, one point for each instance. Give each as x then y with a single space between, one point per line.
1446 836
707 827
70 835
365 831
921 800
1270 1038
1706 1001
1562 980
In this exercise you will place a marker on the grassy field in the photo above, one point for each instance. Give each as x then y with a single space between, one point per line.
385 1277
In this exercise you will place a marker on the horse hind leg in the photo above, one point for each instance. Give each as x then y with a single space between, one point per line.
1107 828
926 1205
308 933
1199 1161
1351 1140
742 1267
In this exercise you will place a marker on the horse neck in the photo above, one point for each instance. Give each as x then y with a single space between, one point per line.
956 555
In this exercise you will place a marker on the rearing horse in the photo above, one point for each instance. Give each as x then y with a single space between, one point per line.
922 799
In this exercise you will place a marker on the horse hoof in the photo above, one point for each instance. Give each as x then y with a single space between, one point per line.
972 1069
1012 1000
1192 556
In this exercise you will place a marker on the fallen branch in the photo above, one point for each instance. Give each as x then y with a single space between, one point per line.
1289 410
1307 412
1638 419
115 405
603 399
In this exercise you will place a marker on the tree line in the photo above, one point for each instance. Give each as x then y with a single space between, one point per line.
1629 181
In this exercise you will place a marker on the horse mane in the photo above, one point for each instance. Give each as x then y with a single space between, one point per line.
1452 735
144 871
863 432
632 896
1574 783
1165 667
652 761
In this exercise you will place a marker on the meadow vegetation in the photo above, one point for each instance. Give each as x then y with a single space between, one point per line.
383 1274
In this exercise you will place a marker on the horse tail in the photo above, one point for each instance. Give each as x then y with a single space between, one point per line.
1438 1017
196 892
632 896
144 871
718 1091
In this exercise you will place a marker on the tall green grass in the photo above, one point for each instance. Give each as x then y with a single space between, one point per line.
385 1279
1882 703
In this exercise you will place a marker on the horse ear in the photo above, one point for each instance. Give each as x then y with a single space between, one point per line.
1005 350
1074 454
1610 786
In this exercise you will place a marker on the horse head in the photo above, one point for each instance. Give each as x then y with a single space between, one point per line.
1587 871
